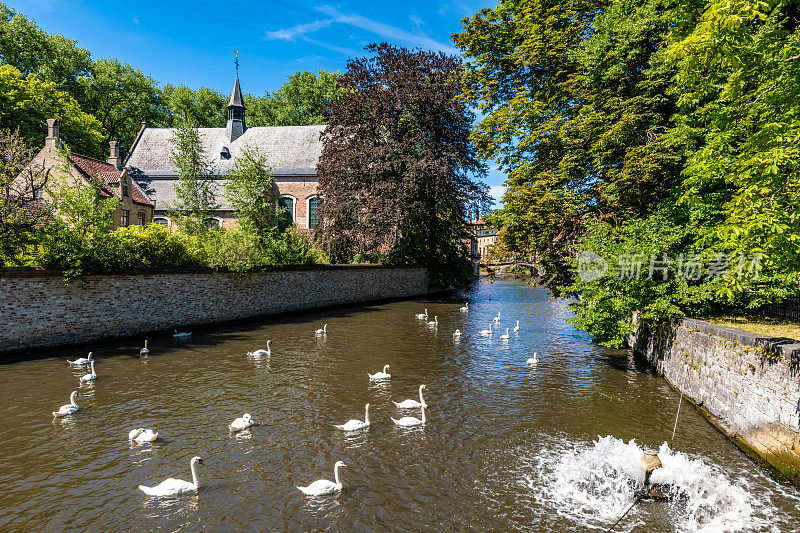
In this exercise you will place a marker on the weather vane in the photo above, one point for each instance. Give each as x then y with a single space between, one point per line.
237 62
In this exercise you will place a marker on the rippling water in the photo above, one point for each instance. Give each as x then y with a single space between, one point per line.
506 447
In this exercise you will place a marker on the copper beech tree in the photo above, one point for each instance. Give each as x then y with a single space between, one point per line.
397 174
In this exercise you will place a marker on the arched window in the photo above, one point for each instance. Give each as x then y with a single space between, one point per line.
286 208
313 207
164 221
214 223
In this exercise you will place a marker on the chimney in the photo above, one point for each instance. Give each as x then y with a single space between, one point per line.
113 156
51 141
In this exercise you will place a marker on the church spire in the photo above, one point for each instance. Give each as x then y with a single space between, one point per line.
236 125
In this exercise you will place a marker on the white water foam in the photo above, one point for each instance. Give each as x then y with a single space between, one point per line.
592 485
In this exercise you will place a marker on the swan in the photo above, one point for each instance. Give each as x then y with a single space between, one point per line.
81 361
516 328
145 350
465 308
261 352
457 334
323 331
497 318
434 323
90 377
505 336
244 422
173 486
532 360
353 424
323 486
486 332
68 409
181 335
380 375
143 435
422 316
412 404
410 421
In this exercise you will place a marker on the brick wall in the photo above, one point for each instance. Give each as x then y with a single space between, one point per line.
745 383
41 310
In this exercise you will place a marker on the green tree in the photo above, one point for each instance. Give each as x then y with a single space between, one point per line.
77 235
20 179
27 102
52 58
250 190
121 98
302 101
204 107
195 188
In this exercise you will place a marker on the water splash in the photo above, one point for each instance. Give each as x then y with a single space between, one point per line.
594 484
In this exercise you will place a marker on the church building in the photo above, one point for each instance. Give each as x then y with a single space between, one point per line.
291 151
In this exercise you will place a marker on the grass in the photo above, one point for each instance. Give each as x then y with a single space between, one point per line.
761 325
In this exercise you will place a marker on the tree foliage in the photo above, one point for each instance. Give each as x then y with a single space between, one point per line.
643 128
397 166
250 191
195 188
302 101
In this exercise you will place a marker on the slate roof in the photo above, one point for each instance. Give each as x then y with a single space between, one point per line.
163 192
236 95
290 150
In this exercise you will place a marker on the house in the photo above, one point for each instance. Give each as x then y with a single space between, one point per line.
486 237
291 151
133 205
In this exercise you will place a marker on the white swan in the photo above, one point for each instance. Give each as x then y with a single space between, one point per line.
143 435
410 421
323 486
321 332
532 360
422 316
261 352
353 424
243 422
90 377
173 486
380 375
497 318
81 361
486 332
505 336
516 328
465 308
181 335
412 404
145 350
68 409
434 323
457 334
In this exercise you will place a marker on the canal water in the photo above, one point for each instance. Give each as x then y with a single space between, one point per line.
506 447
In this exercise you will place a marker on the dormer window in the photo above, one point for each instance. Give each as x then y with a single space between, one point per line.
224 153
125 191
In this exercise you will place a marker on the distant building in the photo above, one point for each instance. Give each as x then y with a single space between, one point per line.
291 151
486 237
133 205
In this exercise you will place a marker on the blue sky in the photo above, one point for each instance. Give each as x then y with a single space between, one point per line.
192 42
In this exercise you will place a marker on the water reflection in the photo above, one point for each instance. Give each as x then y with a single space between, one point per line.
497 429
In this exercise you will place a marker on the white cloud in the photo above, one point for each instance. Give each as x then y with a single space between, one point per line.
290 34
386 31
342 50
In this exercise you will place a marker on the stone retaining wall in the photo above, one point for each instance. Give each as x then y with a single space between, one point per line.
40 309
746 384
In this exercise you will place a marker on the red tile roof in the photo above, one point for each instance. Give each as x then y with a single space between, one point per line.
107 174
